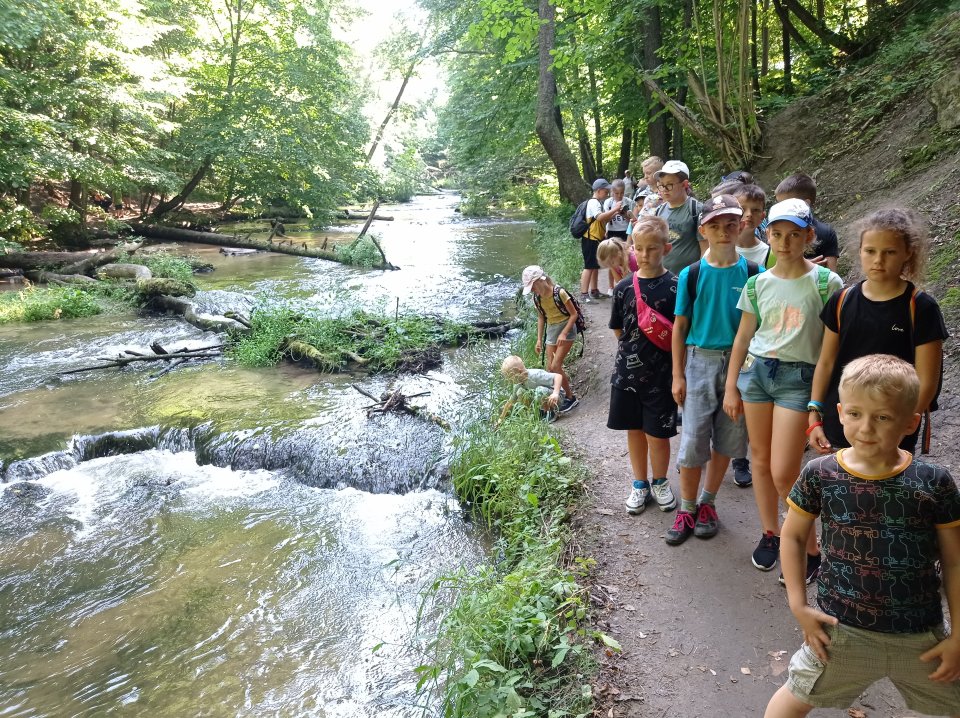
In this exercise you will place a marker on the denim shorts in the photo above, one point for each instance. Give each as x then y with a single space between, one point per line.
785 384
704 421
859 658
553 332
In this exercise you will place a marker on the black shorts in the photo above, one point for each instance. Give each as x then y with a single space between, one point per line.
653 414
589 249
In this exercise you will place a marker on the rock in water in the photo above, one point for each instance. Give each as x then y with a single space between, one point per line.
124 271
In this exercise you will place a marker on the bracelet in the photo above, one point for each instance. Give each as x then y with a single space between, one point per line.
815 406
813 426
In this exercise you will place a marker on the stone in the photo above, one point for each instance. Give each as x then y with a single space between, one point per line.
945 97
124 271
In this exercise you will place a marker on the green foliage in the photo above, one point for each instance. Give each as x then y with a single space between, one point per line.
946 258
475 204
361 253
165 265
54 215
384 343
406 175
17 224
951 300
41 303
515 641
561 255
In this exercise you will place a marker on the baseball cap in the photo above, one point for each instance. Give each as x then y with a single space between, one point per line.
600 184
720 205
530 275
791 210
673 167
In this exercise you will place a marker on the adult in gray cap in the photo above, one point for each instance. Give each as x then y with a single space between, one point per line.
598 218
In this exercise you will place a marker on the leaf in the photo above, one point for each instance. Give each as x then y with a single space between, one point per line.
490 666
470 680
610 642
559 656
376 648
533 500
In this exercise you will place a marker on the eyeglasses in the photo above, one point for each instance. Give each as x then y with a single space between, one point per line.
666 187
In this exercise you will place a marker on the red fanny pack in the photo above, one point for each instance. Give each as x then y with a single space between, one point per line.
655 327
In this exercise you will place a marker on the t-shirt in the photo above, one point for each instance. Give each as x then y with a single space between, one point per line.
879 541
790 327
554 315
869 327
759 253
825 243
716 318
640 365
594 209
620 221
539 381
683 222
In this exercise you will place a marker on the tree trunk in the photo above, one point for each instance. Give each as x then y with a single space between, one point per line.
754 60
177 202
765 40
572 187
841 42
626 141
785 24
286 246
597 125
656 113
417 58
586 153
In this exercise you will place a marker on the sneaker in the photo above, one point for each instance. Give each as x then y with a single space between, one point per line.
638 499
741 473
584 298
813 570
663 495
548 415
567 404
767 552
681 530
595 294
610 292
707 523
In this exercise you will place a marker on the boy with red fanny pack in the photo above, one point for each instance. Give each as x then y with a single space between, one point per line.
640 399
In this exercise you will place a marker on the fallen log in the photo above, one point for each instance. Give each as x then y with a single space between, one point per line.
41 277
176 234
349 214
185 308
65 262
121 361
397 402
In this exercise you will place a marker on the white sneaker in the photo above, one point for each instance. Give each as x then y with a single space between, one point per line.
610 292
663 495
638 499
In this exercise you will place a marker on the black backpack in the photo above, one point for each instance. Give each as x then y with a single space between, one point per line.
581 321
579 224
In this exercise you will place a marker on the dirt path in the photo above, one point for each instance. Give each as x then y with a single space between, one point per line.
703 632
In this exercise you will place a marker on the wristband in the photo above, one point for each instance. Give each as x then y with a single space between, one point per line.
813 426
815 406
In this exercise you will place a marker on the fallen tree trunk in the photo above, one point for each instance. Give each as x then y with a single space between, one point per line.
65 262
159 354
350 214
185 308
41 277
287 246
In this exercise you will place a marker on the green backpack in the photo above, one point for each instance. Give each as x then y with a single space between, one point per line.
823 286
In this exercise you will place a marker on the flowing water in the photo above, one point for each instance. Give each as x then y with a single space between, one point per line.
224 541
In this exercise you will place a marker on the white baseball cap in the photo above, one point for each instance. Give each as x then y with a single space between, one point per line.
791 210
530 275
673 167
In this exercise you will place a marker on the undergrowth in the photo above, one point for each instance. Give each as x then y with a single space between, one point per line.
360 253
34 304
166 266
383 342
515 642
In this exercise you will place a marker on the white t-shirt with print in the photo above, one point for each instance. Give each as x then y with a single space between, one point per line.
620 221
790 328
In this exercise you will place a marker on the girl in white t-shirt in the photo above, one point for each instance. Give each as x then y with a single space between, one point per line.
771 369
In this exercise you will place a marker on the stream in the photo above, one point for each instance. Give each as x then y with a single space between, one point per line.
223 541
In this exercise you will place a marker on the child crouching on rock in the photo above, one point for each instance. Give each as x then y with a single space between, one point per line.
559 321
545 385
641 402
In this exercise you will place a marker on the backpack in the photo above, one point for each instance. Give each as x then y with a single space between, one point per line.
579 224
581 322
823 287
927 429
693 277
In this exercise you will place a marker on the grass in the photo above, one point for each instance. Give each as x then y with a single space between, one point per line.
167 266
515 638
35 304
385 343
946 257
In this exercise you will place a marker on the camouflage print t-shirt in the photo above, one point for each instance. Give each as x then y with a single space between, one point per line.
641 366
879 541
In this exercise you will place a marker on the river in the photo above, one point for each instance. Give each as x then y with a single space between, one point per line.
223 541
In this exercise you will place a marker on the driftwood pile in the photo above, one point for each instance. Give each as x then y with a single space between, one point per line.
397 402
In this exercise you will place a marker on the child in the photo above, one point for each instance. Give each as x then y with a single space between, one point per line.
536 380
614 256
703 333
681 212
557 325
883 314
646 194
825 248
753 200
887 518
781 326
598 217
618 223
640 400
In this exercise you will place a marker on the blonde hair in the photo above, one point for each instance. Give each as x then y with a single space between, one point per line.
655 226
512 367
652 162
883 374
908 226
610 253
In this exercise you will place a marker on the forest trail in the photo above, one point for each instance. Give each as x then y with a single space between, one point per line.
703 632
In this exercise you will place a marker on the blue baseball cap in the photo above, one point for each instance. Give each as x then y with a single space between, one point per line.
791 210
600 184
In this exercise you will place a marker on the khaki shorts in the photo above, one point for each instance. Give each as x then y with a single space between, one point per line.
859 658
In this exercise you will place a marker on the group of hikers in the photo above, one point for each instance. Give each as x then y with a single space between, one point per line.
734 326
